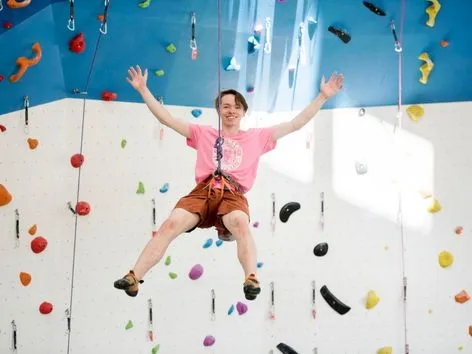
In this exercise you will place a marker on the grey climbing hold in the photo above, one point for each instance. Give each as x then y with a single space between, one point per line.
361 168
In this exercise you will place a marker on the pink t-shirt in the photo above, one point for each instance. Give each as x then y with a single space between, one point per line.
241 152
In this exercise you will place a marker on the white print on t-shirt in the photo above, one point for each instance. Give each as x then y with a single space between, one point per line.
232 155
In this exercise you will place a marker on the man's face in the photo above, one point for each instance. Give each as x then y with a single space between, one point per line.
231 111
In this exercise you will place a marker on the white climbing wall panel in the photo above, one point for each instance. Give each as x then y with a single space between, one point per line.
359 162
41 183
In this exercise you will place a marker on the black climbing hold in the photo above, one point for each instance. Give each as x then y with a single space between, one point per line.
342 35
376 10
336 304
286 349
321 249
287 210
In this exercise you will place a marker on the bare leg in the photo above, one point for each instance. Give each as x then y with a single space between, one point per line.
237 222
179 221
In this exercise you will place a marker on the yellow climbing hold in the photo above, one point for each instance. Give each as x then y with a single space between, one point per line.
445 259
432 12
415 112
426 68
435 206
372 300
385 350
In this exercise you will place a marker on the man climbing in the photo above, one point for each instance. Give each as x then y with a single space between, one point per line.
222 177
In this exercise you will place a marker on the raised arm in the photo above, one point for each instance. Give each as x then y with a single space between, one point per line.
328 90
138 80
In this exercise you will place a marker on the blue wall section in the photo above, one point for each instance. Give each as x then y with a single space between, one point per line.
43 82
281 81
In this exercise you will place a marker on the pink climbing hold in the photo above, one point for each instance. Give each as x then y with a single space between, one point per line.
242 308
196 272
209 341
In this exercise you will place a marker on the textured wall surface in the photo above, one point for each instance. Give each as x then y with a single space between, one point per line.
286 78
365 225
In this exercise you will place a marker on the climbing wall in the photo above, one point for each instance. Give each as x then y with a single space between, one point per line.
372 207
37 246
360 218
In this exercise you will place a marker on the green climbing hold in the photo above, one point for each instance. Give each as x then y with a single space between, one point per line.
123 143
159 72
140 188
171 48
155 349
144 4
129 325
168 260
172 275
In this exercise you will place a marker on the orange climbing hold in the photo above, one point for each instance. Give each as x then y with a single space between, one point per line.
25 278
33 143
15 4
462 297
470 330
32 230
5 197
24 63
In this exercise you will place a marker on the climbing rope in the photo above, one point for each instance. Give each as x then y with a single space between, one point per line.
399 50
83 92
219 140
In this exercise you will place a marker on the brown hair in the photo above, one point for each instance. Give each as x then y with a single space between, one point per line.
238 97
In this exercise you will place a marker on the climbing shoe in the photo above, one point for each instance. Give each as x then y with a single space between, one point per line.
129 283
251 287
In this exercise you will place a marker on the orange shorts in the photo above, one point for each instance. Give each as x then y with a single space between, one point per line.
211 204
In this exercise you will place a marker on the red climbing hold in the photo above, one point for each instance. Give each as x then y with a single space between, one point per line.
77 160
7 25
77 43
39 244
109 96
1 78
45 308
82 208
2 128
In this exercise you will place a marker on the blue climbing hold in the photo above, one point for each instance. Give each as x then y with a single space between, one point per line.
208 243
260 264
218 243
196 113
164 188
230 310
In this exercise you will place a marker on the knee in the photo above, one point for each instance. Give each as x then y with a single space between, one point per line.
169 227
238 222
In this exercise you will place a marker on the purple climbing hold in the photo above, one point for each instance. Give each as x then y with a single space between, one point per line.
242 308
209 341
196 272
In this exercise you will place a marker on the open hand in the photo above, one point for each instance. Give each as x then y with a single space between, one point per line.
138 79
333 86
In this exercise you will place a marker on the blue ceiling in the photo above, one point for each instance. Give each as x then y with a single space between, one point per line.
137 35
